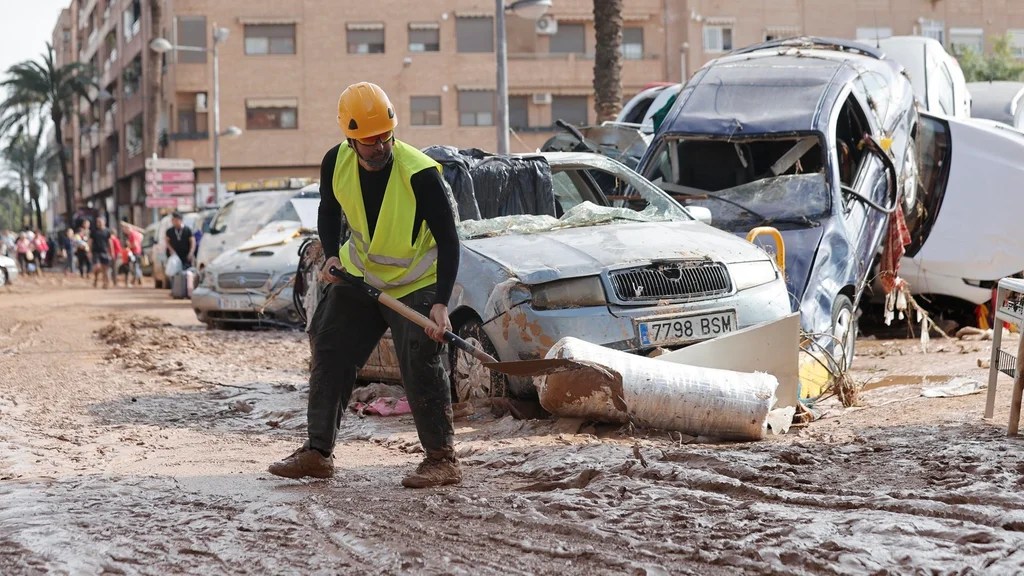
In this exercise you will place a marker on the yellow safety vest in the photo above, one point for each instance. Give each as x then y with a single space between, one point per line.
386 260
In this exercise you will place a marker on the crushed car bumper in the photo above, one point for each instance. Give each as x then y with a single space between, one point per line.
245 308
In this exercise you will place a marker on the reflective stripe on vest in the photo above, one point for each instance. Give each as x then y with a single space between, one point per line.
387 260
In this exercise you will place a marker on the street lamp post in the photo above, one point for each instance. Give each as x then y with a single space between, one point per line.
529 9
162 45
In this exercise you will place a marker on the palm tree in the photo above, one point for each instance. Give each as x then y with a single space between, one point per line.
154 73
11 206
608 59
26 155
52 89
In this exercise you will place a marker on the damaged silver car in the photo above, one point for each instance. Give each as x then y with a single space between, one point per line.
576 244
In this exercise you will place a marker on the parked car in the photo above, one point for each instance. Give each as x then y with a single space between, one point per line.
245 214
640 109
811 136
970 175
935 75
251 284
999 101
8 270
602 255
158 252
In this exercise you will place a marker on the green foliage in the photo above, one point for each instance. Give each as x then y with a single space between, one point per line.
1001 64
12 209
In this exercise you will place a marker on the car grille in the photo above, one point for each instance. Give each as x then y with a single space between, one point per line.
677 280
241 280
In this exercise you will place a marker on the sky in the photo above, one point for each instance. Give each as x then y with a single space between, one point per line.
25 28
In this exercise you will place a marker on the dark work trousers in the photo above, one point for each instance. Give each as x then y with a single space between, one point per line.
346 327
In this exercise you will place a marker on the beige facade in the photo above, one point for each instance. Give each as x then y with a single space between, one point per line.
283 65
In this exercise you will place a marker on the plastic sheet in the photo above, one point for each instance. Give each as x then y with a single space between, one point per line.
501 185
624 388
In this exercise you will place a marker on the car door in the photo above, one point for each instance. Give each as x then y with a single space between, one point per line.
971 172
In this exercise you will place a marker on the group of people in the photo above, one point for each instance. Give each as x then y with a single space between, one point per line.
103 254
91 251
29 248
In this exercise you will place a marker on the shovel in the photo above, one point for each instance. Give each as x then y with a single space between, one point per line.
516 368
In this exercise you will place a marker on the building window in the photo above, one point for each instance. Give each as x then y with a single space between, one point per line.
717 38
132 20
1016 42
272 114
424 37
633 43
474 34
572 109
269 39
132 76
568 39
133 137
517 112
192 33
868 34
961 39
476 108
425 110
934 29
366 38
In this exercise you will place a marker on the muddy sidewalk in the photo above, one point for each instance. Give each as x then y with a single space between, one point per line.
134 441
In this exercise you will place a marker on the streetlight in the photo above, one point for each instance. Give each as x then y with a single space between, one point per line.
161 45
531 10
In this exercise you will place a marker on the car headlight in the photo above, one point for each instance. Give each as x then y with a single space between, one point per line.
572 293
750 274
283 281
207 279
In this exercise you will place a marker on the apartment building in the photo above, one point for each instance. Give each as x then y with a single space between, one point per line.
282 66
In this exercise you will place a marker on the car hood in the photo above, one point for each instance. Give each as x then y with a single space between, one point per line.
575 252
274 259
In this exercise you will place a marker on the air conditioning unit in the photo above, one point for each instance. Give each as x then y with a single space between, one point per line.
544 98
547 25
200 101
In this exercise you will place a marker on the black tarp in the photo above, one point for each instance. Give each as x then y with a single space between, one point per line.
486 185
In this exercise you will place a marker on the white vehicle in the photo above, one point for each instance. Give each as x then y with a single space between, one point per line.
936 77
8 270
973 204
158 252
999 101
641 108
246 213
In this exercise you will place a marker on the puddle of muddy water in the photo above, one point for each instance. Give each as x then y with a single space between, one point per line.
908 380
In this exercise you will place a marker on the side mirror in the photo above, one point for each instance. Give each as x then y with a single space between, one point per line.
700 213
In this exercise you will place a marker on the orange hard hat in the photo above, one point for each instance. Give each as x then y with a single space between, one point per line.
364 111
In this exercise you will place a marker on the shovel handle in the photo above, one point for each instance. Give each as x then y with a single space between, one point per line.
410 314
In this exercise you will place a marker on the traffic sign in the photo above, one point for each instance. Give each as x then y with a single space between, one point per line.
161 202
164 176
171 189
182 164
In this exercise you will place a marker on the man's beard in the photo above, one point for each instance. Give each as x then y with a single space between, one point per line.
378 160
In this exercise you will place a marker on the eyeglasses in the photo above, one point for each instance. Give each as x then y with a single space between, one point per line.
379 139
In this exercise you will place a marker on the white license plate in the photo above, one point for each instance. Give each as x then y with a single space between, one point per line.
240 303
686 328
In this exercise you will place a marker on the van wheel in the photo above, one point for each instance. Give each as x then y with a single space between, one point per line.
844 332
469 379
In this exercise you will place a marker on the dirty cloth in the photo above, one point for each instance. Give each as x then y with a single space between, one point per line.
958 386
893 248
384 406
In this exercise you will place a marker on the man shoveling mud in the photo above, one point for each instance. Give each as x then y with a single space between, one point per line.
403 241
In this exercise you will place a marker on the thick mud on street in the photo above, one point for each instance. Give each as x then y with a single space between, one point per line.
135 441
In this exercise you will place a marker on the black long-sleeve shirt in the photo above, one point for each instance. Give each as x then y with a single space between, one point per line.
432 206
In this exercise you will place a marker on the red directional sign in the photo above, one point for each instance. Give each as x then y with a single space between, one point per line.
153 176
172 189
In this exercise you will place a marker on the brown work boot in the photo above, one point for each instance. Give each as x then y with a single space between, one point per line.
434 472
304 462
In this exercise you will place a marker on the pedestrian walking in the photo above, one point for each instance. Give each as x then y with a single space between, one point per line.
82 241
180 241
116 252
101 248
67 251
387 190
133 251
23 247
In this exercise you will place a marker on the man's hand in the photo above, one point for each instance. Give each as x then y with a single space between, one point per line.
439 314
325 272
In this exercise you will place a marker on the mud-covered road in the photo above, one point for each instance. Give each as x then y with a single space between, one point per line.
133 441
